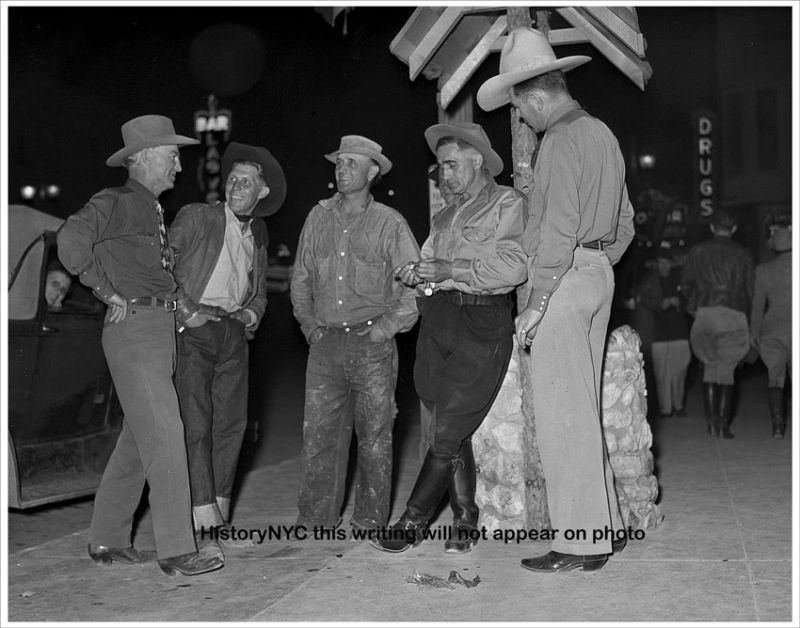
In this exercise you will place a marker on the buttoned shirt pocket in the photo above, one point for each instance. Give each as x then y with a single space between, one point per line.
477 235
370 279
147 249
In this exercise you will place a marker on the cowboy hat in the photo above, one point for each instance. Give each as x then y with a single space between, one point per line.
146 132
362 146
471 133
270 169
526 53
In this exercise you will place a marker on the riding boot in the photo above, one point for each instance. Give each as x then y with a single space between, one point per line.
710 394
435 475
776 411
726 409
462 501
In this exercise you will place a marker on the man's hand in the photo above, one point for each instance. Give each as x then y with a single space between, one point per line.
198 319
315 336
434 270
376 334
526 324
119 308
242 316
407 274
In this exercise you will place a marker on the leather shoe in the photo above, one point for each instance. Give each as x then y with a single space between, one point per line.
103 555
189 564
617 545
227 539
461 541
556 561
400 537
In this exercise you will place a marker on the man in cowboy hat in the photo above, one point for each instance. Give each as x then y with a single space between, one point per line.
471 262
580 222
221 271
771 317
117 245
350 306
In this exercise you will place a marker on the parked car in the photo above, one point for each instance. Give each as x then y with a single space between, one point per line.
63 415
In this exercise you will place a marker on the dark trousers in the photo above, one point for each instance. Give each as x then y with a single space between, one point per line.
462 356
350 383
211 380
140 352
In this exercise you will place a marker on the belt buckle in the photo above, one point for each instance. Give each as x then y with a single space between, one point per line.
170 305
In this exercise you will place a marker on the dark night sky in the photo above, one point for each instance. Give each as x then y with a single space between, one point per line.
114 63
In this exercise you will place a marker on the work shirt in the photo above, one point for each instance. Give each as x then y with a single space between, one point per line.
578 196
113 244
718 272
481 232
344 269
230 281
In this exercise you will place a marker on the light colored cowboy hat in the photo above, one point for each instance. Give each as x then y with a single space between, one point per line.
471 133
526 53
271 169
362 146
146 132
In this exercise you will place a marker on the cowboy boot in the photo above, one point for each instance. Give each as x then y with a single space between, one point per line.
726 410
775 400
435 475
462 501
710 394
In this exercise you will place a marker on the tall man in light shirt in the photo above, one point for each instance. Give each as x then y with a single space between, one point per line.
471 262
350 306
580 221
221 271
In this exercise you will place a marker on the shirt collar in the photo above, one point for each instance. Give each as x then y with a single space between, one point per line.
140 189
476 193
334 201
562 109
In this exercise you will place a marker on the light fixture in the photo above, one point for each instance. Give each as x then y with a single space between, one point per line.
647 161
27 192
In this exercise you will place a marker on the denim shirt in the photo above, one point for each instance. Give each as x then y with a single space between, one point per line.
344 269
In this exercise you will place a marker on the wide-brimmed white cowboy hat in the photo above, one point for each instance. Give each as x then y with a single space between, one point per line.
362 146
526 53
471 133
147 131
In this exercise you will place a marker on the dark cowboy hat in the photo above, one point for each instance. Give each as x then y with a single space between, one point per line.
273 174
471 133
147 132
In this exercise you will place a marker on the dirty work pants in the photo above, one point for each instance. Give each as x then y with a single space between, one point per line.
350 384
140 352
566 367
462 356
211 380
670 361
720 339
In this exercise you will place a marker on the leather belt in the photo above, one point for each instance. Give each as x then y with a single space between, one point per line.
350 328
463 298
170 305
597 245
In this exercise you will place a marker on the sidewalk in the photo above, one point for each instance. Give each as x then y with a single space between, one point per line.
723 553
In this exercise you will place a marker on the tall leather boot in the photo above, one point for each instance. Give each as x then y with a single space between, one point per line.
710 394
462 501
775 399
725 410
434 476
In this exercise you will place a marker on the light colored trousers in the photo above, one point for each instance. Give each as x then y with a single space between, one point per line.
670 361
720 339
566 369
